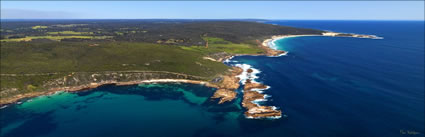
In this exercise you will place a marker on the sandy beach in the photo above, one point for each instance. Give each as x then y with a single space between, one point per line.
270 42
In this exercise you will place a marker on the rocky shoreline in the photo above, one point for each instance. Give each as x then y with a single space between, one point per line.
226 93
254 110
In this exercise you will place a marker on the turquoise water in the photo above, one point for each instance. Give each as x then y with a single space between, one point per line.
146 109
326 86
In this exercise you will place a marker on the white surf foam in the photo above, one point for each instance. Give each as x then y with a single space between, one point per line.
258 101
253 76
245 75
260 90
230 60
272 44
271 117
5 106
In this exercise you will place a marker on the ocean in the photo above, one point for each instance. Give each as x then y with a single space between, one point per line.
325 87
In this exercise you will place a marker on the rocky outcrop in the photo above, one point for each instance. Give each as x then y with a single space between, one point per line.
272 52
263 112
255 110
226 89
229 82
253 85
225 95
249 97
236 71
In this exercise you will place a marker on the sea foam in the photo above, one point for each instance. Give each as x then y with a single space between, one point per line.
229 60
245 75
5 106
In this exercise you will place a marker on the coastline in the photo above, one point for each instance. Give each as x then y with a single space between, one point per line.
226 90
16 99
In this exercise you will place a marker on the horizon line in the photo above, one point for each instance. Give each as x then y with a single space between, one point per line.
217 19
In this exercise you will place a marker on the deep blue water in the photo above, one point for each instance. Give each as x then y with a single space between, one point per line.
326 86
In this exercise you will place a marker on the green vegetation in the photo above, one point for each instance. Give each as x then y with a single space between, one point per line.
69 25
69 33
39 27
31 87
187 33
26 83
62 58
219 45
119 33
54 38
29 58
35 52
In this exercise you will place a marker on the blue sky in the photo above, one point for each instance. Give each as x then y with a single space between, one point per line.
320 10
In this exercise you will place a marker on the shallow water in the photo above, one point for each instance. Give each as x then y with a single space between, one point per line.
325 86
151 109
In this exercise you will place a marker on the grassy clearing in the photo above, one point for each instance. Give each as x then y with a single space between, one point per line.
69 33
219 45
39 27
69 25
129 32
55 38
119 33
